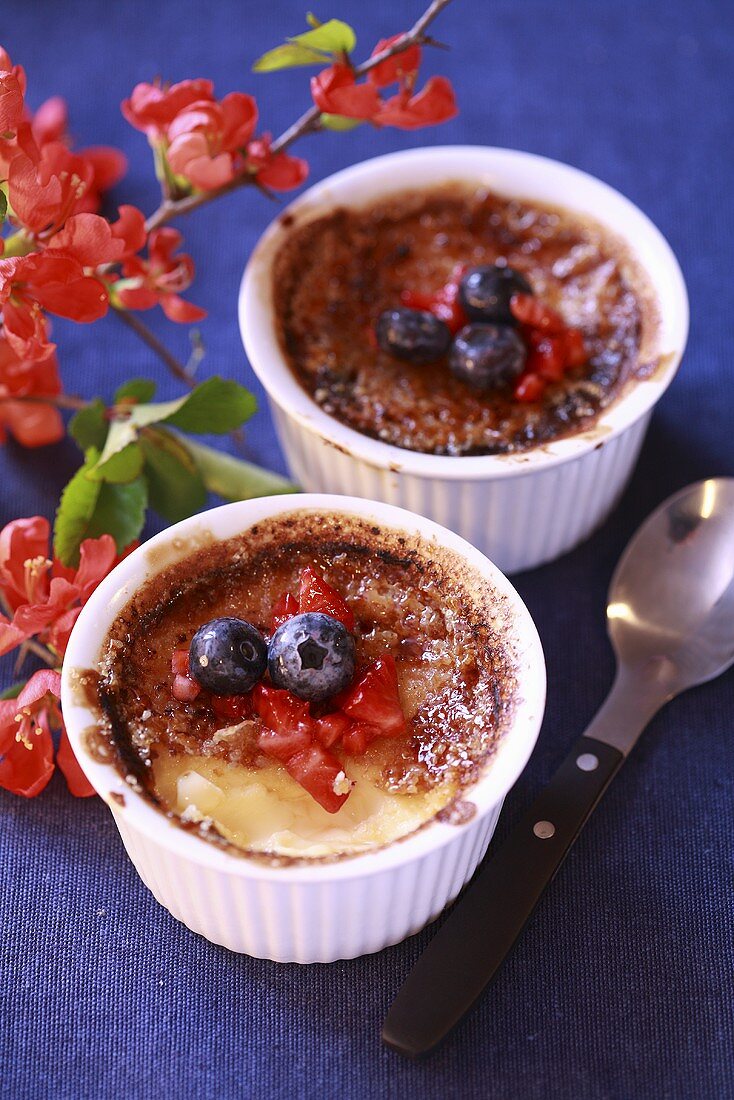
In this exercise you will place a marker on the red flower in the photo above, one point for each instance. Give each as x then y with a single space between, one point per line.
276 171
108 165
12 90
26 745
152 108
206 137
92 240
33 424
436 103
336 92
47 186
161 278
44 281
401 67
45 596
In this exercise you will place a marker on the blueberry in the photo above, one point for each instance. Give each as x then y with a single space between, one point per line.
487 356
228 656
485 292
312 655
413 334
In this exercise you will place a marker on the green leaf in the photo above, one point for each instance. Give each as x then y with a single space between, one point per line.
339 122
216 405
122 466
234 479
289 56
317 46
121 434
13 691
90 508
175 487
89 426
3 206
141 389
331 37
312 20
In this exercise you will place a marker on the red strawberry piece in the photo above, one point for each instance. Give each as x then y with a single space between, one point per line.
287 724
286 606
529 310
284 745
548 358
180 662
316 595
320 773
443 303
576 352
529 388
185 689
358 736
233 708
330 728
374 699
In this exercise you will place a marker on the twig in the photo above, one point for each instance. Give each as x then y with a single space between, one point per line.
307 123
141 329
59 400
40 651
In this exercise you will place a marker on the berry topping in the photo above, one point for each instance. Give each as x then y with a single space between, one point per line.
316 595
320 773
443 303
312 655
285 608
487 356
554 346
414 335
536 314
374 699
485 292
227 656
232 708
184 688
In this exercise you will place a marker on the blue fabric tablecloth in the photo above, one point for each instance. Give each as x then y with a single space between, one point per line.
623 984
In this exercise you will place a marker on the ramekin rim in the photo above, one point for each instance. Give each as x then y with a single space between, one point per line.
263 349
114 591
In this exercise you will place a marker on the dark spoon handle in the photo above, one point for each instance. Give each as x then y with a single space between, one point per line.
465 955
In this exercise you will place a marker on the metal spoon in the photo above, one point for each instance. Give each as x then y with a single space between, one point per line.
671 622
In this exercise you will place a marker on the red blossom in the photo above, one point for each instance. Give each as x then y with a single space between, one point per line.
276 171
92 240
44 281
205 139
12 90
26 746
44 596
32 423
161 278
434 104
48 185
153 107
402 66
336 92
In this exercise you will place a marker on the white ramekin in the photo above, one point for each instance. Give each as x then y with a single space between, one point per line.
323 911
520 510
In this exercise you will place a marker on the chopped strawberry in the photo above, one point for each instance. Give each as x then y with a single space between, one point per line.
330 728
286 606
529 388
548 358
280 710
234 708
576 352
180 662
374 699
529 310
185 689
443 303
358 736
320 773
283 745
316 595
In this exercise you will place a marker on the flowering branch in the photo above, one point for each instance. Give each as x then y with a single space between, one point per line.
177 369
309 122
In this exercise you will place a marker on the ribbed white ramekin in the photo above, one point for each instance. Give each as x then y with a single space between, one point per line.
315 912
521 510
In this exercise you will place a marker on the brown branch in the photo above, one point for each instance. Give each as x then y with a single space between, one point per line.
307 123
59 400
139 327
40 651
